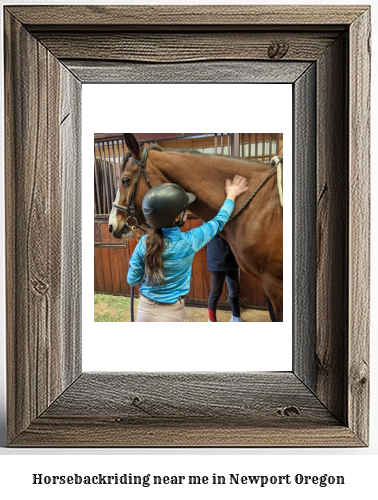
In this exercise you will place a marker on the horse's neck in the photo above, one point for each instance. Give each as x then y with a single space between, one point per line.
204 176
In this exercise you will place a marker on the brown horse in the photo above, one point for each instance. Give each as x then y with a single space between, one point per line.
255 234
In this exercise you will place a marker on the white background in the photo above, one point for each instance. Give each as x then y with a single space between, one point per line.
199 347
357 465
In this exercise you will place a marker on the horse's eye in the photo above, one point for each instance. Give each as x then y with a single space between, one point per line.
125 181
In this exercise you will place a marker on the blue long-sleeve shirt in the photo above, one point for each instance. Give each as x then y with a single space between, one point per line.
178 255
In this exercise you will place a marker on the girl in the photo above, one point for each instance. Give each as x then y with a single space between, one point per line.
162 261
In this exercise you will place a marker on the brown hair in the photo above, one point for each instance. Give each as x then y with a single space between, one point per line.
153 259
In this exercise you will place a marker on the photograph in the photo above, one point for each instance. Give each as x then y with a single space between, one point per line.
167 240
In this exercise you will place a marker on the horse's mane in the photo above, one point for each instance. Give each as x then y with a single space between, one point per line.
195 152
178 150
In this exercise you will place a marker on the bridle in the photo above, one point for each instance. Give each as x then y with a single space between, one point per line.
131 204
130 209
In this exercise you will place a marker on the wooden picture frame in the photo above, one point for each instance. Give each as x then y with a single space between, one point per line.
50 51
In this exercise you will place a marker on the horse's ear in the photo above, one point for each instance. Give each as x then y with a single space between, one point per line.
132 145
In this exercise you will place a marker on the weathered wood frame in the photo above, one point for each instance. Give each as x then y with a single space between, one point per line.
49 53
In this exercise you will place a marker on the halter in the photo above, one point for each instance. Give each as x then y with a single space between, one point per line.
130 209
131 205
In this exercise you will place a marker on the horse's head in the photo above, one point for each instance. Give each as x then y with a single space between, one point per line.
129 194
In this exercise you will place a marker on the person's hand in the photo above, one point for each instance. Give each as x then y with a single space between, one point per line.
234 188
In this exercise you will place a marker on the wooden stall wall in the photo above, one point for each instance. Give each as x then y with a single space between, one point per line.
111 259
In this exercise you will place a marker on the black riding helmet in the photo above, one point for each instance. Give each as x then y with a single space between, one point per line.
163 203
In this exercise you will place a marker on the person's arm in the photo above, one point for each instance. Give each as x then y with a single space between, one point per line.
136 265
199 237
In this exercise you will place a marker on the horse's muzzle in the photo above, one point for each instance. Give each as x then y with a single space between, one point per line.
125 233
115 234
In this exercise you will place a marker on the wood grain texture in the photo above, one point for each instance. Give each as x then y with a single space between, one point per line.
199 72
242 397
180 47
98 432
331 350
35 244
193 409
108 249
70 165
183 16
32 308
42 101
359 226
304 214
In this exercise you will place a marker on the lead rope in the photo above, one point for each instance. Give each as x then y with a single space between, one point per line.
132 305
142 165
133 228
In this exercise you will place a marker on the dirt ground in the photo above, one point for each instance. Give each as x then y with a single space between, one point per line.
198 315
111 308
194 314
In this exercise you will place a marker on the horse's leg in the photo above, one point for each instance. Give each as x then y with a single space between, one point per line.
273 287
271 310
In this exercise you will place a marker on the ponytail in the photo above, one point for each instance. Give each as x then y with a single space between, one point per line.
153 259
